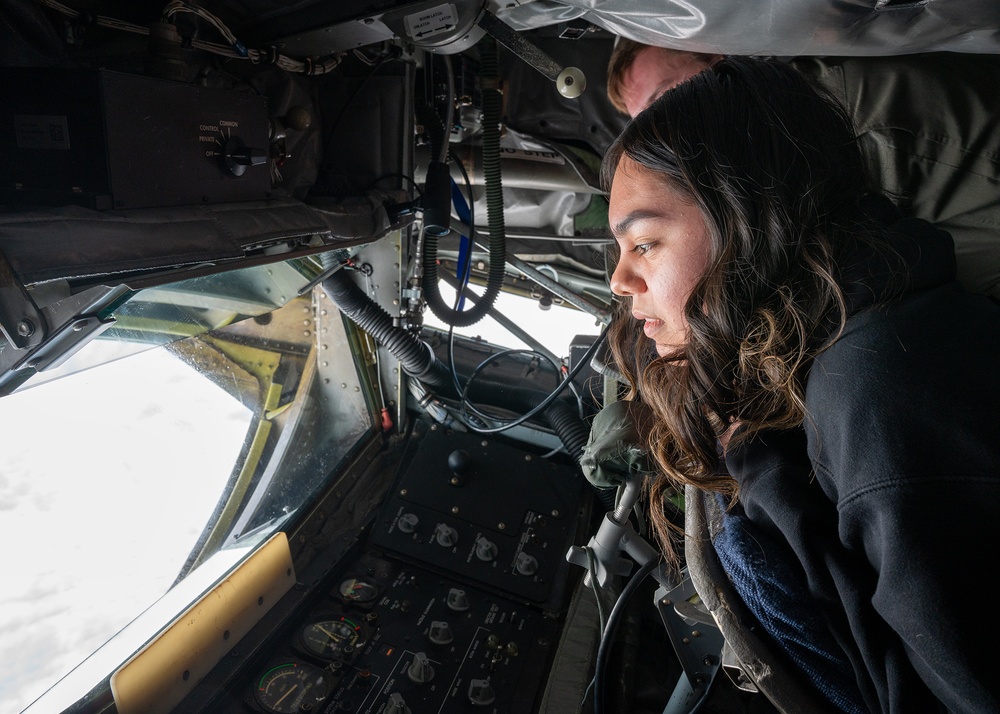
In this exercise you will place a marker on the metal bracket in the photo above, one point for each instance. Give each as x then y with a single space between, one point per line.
22 323
696 639
69 324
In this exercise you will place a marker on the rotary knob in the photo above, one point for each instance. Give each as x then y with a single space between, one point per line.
440 633
420 670
445 535
238 156
408 522
481 693
396 705
526 564
457 600
486 550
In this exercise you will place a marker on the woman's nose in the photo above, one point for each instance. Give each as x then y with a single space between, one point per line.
624 281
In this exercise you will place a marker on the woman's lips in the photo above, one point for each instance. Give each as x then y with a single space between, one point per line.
650 326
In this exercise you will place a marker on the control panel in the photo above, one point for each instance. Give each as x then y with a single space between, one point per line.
392 638
451 603
499 516
105 140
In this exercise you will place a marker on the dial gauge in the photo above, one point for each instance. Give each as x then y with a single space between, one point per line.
292 687
336 639
358 590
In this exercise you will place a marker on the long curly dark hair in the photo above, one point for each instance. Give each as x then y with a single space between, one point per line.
776 171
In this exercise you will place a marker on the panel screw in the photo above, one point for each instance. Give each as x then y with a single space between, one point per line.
25 328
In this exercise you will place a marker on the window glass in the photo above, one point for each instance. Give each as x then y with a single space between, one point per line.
554 328
126 474
109 478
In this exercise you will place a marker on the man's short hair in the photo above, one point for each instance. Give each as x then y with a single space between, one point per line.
622 57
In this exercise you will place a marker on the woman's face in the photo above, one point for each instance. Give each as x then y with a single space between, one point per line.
665 251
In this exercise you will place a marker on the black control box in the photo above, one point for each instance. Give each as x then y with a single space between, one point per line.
109 140
485 511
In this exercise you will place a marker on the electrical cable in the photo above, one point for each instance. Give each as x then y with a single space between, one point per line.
234 50
617 612
588 355
464 273
467 405
364 80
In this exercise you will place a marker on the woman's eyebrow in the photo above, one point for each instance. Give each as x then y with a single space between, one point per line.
635 216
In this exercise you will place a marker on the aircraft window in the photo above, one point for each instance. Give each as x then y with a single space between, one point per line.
554 334
109 477
130 471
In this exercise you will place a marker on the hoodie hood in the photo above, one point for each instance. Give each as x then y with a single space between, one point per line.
907 255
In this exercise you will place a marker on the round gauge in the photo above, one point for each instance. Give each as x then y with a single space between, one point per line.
333 639
293 687
358 590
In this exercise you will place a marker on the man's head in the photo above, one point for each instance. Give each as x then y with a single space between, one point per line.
638 73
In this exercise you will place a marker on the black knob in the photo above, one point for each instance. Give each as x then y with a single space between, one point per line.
459 462
247 156
298 118
238 156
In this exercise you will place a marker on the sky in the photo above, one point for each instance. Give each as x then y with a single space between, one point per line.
554 328
107 478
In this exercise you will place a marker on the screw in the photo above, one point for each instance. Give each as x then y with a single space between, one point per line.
25 328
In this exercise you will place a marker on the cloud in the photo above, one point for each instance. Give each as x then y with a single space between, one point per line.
12 495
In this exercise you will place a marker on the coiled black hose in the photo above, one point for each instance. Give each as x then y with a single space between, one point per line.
489 76
415 356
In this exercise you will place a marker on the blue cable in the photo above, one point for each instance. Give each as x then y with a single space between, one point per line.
465 244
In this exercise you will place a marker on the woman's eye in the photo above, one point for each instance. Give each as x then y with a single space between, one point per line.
642 248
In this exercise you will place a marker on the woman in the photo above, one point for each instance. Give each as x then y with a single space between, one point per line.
808 355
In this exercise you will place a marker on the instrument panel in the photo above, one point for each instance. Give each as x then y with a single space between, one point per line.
423 643
452 600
